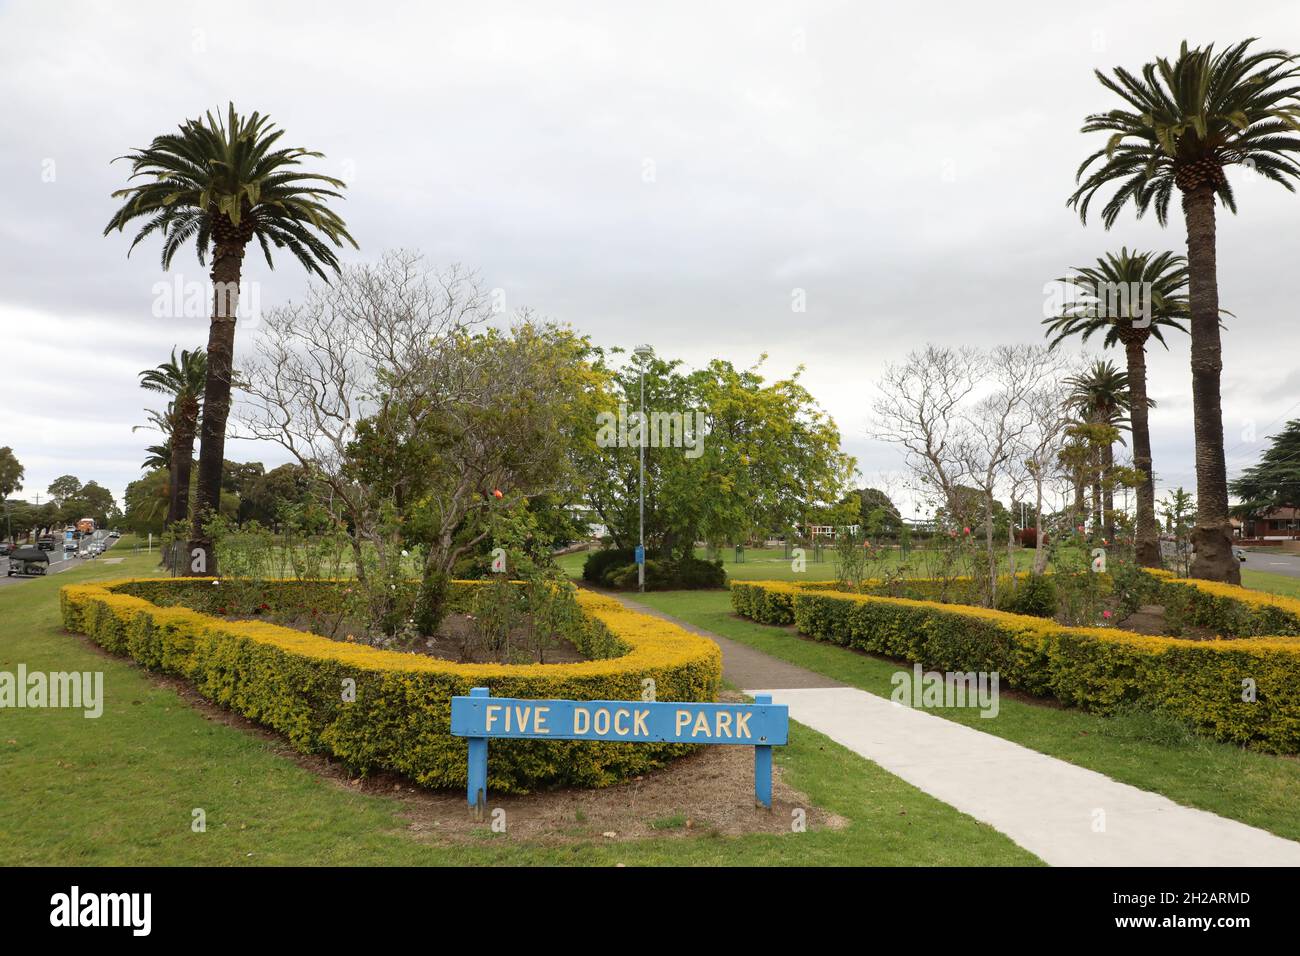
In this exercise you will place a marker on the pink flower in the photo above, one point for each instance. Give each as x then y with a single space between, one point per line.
1106 615
965 530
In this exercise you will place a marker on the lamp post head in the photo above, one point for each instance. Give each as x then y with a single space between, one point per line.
643 353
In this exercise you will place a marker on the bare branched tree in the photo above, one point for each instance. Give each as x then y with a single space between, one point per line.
377 335
919 409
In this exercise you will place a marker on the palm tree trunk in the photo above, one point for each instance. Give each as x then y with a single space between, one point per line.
173 470
167 556
1146 535
1108 492
1212 535
227 266
185 441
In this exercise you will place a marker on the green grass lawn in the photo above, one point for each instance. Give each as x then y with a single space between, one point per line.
120 789
1138 749
1271 582
771 564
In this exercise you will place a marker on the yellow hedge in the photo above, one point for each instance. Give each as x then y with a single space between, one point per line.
294 681
1206 683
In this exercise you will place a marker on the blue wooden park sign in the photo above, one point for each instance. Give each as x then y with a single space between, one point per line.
761 725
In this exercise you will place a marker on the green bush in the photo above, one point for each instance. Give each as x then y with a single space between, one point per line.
600 562
1103 670
685 574
399 716
1034 595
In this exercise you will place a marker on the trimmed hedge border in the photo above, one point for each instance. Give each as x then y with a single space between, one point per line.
1095 669
292 681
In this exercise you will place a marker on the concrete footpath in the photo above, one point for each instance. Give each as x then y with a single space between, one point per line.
1064 814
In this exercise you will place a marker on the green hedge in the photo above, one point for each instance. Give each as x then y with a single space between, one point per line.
1097 669
292 681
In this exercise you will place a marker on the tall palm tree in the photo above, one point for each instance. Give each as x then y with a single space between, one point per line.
1183 124
184 380
1131 297
1100 397
223 184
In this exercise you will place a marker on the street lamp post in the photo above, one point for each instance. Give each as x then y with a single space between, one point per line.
643 354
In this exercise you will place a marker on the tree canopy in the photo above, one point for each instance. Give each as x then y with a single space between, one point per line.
728 455
1275 480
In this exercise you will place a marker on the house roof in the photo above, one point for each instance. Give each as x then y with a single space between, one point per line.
1278 513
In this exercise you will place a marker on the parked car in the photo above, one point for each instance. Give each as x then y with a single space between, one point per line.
69 545
46 543
28 561
5 548
1239 553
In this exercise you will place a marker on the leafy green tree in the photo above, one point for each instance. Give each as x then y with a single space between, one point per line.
11 472
750 456
1130 298
147 502
267 496
11 480
92 501
1274 482
222 185
183 381
63 488
878 514
1182 124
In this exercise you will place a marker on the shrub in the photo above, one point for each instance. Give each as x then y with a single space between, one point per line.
1102 670
599 562
681 575
294 682
1035 595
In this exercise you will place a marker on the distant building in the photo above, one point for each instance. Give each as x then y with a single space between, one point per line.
1273 523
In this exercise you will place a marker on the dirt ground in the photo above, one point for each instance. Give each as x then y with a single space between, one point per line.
1150 619
709 793
457 640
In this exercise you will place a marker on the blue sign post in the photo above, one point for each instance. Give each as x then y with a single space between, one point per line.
761 725
640 554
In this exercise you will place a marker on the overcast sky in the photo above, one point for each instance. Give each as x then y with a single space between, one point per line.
666 172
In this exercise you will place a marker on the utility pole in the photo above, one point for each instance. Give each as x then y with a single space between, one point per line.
643 353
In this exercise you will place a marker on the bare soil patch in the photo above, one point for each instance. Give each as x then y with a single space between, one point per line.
457 640
1150 619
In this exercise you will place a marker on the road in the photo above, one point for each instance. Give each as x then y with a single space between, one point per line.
1273 562
59 559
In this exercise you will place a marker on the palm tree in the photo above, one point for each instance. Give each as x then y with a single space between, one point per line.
1184 123
223 184
1150 290
158 456
1100 397
184 380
